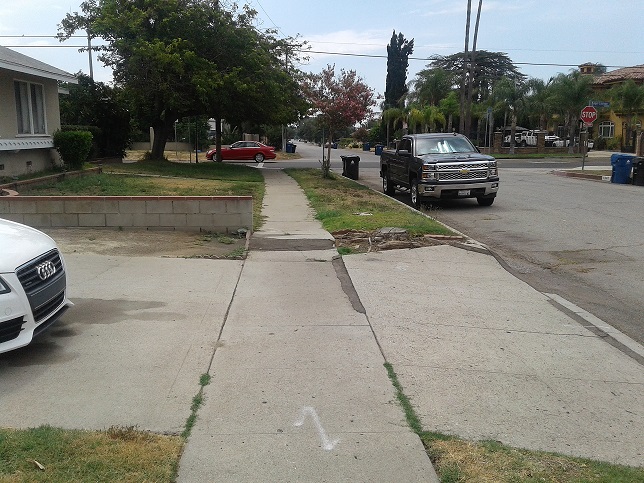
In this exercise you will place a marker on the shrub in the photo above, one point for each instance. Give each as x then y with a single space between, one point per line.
600 144
613 144
73 147
97 138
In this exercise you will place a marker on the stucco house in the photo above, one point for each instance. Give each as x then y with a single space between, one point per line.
29 113
611 122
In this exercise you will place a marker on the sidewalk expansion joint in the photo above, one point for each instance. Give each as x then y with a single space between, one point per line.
289 245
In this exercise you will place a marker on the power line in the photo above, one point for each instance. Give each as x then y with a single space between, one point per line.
428 59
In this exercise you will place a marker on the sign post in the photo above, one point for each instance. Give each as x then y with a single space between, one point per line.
588 116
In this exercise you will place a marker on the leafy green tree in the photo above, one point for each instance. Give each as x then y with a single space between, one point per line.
339 101
570 92
490 67
182 58
431 85
91 103
398 52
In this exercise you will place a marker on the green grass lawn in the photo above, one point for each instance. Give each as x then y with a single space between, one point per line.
341 204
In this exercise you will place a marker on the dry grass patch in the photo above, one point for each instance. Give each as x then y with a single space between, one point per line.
47 454
457 460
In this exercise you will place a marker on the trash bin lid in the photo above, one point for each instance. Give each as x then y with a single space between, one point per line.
621 159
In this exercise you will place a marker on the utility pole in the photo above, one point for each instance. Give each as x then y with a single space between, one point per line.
89 52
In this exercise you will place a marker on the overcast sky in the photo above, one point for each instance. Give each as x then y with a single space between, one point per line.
531 32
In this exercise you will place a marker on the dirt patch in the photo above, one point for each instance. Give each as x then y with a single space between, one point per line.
178 244
386 239
143 243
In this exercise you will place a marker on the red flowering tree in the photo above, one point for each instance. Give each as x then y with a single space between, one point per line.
339 102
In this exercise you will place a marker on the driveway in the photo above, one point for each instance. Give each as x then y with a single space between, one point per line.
131 350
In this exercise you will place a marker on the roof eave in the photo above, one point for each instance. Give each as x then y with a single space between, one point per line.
59 76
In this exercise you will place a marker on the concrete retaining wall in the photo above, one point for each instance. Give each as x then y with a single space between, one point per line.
219 214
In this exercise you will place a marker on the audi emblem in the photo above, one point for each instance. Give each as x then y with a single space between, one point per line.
45 270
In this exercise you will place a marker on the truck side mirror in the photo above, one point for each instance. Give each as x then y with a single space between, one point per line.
403 152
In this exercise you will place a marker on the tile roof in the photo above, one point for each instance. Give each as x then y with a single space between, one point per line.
17 62
636 73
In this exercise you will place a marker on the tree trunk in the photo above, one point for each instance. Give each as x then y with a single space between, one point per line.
513 131
571 135
467 42
161 130
470 80
326 164
218 139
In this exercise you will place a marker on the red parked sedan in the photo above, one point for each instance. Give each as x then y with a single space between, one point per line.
244 150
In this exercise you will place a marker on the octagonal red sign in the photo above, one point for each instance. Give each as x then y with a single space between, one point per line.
588 114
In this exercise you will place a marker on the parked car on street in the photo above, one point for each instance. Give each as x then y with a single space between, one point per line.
439 166
33 284
559 143
251 150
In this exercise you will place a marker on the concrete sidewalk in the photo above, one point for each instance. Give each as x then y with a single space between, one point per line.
298 390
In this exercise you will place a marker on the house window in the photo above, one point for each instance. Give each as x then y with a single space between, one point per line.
607 129
30 107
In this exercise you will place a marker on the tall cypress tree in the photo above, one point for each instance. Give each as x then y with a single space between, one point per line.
398 52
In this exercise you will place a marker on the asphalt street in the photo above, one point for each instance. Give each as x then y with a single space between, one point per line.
580 239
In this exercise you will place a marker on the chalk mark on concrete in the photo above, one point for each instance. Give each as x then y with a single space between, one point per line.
327 444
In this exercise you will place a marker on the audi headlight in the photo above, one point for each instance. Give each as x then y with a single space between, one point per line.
4 287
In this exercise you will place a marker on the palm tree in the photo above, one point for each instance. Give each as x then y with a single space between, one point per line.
433 116
461 122
392 116
628 98
470 80
450 107
414 117
510 96
538 101
571 93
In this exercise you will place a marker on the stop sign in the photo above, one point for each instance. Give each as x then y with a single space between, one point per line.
588 115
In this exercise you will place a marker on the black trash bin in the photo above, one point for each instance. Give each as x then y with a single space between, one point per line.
350 167
638 171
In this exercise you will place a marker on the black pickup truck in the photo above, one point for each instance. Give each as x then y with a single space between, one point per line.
439 166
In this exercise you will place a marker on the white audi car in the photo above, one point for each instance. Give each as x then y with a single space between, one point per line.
33 284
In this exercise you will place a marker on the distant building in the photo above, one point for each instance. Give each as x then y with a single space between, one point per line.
612 123
30 112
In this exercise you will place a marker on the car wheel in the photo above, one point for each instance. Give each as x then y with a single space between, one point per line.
487 201
523 144
387 187
259 157
413 192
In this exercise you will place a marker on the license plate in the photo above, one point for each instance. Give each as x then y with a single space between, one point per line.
463 192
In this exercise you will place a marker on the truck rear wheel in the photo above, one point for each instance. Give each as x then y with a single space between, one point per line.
387 186
413 192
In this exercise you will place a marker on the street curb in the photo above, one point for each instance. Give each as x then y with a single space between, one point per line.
591 177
